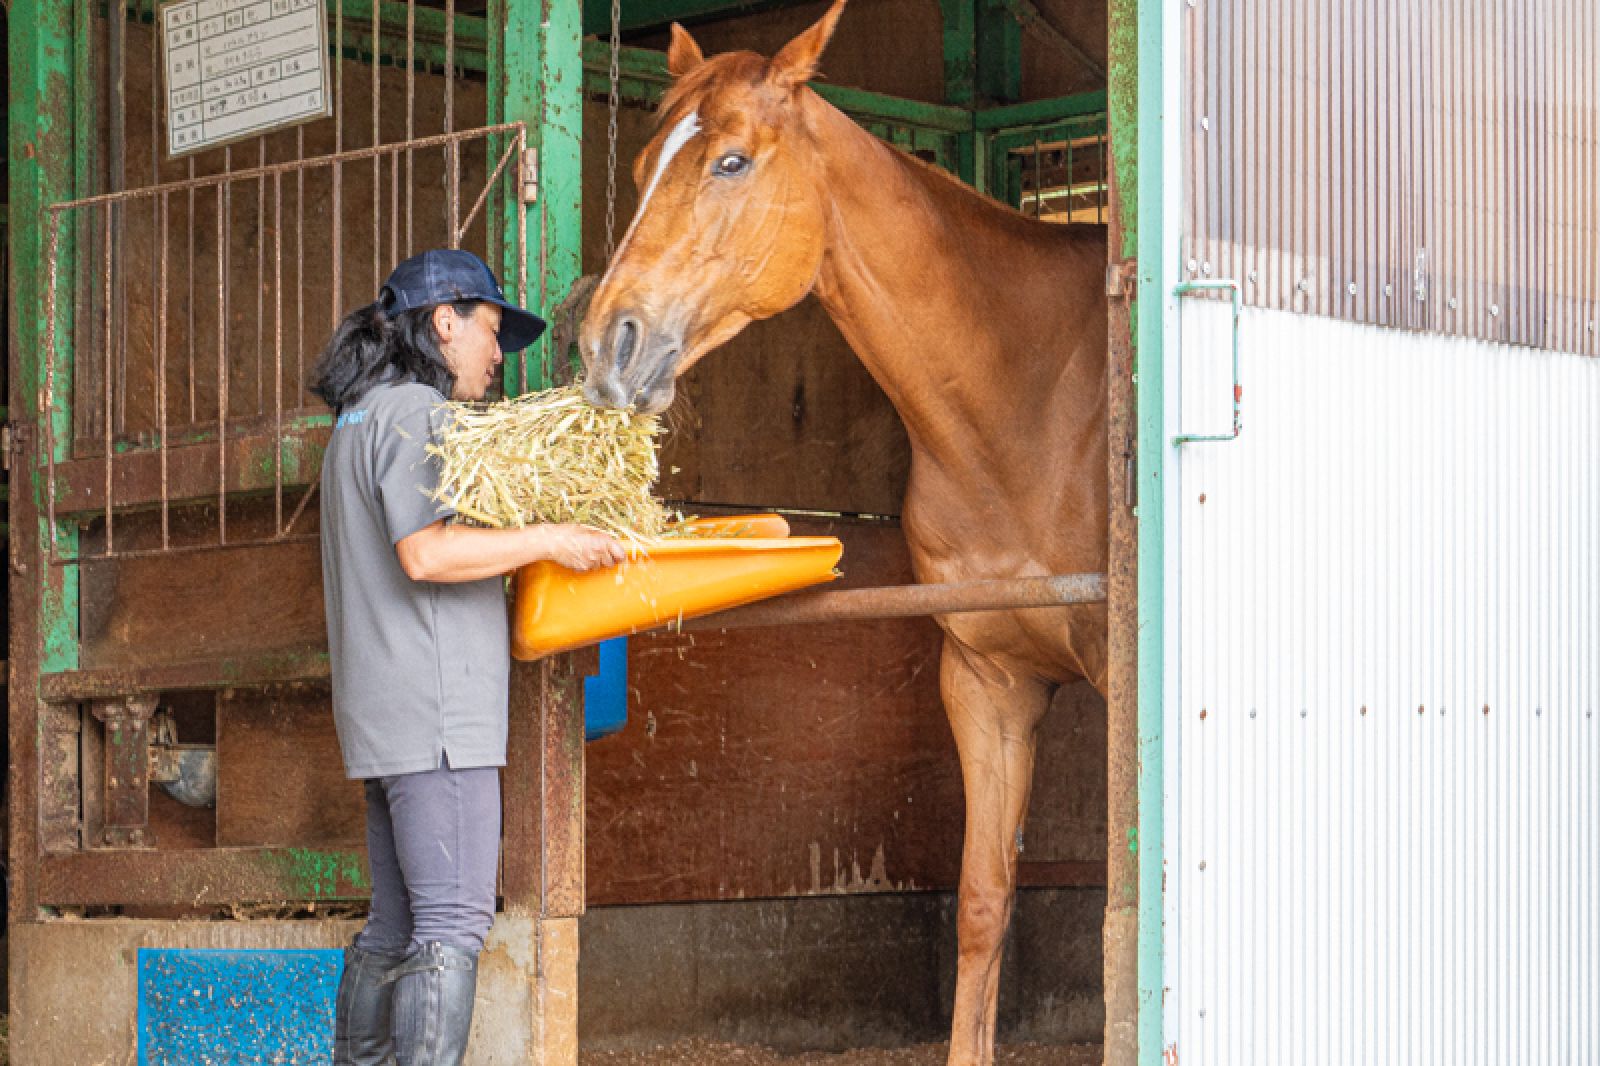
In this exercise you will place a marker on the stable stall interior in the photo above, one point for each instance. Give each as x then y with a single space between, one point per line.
774 838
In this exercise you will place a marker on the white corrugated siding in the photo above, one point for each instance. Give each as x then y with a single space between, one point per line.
1389 608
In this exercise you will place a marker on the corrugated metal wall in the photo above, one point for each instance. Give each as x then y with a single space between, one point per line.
1431 164
1388 844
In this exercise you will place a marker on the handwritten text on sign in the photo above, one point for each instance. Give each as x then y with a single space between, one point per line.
238 68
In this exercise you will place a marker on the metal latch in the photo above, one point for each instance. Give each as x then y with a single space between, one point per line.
528 175
1232 287
1121 276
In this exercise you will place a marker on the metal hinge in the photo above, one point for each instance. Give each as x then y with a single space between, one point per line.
528 175
13 436
1121 277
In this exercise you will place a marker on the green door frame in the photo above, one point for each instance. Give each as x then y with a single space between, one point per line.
1159 160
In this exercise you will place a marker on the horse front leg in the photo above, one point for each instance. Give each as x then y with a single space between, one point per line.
995 717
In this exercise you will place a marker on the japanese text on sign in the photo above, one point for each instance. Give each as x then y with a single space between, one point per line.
238 68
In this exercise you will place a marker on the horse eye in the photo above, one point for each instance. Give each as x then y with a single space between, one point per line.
731 165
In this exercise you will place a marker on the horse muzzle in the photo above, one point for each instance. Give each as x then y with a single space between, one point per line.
634 366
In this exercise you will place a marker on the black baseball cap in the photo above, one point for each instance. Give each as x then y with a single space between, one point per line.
445 275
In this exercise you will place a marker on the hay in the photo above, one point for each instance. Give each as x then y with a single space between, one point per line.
550 457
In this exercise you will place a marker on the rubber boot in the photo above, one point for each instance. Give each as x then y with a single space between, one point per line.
363 1010
434 991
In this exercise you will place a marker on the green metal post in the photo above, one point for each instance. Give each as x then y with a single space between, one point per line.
961 79
1160 203
540 82
43 154
999 53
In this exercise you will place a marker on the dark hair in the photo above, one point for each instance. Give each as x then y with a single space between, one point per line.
371 348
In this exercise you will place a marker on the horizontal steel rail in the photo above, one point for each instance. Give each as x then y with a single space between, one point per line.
910 601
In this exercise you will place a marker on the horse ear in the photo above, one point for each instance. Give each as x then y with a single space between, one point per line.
683 55
797 62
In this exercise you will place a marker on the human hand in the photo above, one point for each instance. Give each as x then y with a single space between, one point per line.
580 548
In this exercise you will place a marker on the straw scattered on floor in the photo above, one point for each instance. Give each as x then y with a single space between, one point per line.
550 457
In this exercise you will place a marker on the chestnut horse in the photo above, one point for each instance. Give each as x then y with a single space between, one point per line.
986 329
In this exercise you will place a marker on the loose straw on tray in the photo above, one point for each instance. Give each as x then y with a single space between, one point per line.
550 457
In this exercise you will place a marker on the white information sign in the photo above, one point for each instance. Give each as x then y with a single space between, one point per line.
240 68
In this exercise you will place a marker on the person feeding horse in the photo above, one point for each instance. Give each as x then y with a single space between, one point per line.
986 329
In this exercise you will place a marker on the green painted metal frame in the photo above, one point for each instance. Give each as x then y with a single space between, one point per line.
1158 152
49 163
536 77
640 15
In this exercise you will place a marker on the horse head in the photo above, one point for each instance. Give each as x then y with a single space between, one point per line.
730 223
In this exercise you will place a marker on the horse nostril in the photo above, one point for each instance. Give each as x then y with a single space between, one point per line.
627 344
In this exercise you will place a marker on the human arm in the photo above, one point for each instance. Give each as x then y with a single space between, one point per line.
446 553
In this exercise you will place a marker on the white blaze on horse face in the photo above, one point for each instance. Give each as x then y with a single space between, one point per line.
681 134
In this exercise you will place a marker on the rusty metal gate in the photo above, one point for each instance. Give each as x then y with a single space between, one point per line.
155 413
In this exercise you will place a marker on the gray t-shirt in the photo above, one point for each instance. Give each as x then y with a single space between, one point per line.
419 669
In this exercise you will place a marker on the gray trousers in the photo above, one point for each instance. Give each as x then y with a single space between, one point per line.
433 843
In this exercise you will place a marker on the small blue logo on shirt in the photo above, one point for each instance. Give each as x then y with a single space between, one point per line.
351 418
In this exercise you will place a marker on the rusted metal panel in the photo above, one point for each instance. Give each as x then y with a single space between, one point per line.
203 877
244 671
191 471
1416 165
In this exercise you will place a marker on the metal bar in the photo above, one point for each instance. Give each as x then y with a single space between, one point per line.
236 176
273 541
377 161
116 121
1050 112
449 65
277 376
47 402
1231 286
300 269
411 118
658 14
452 152
270 669
222 367
483 196
161 365
911 601
335 296
522 254
305 498
189 225
109 437
261 268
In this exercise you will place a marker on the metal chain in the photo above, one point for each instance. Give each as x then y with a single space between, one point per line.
611 130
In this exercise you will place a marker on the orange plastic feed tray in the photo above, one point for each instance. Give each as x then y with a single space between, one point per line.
558 609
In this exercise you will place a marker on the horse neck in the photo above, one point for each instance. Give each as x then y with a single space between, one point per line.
945 297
